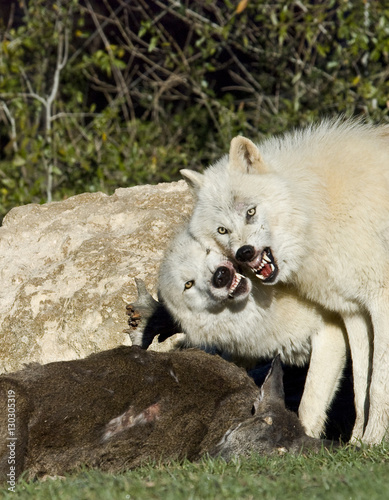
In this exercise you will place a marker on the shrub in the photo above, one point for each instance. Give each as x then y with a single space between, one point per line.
96 95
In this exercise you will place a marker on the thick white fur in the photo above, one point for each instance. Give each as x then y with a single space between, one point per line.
260 323
322 205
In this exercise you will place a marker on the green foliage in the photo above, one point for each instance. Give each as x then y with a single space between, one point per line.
93 96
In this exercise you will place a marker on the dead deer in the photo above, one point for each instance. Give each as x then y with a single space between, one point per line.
120 408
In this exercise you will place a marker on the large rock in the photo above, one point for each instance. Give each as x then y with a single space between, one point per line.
67 269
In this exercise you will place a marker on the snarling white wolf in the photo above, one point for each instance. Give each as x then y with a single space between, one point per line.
311 209
217 306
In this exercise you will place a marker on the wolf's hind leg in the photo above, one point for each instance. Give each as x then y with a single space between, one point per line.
328 359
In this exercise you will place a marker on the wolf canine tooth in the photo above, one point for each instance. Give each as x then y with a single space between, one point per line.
237 279
265 257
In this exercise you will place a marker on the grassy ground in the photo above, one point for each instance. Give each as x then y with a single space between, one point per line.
346 474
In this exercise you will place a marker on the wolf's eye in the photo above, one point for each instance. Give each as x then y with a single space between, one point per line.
189 284
250 212
222 230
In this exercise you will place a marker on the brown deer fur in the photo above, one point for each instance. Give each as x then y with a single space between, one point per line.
117 409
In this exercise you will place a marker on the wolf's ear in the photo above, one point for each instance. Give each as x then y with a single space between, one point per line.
194 179
245 157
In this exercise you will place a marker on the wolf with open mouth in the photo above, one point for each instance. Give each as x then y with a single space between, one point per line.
310 209
218 307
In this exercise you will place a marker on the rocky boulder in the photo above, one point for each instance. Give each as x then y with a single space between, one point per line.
67 269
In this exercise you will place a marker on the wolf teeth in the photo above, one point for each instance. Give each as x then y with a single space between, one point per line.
266 260
237 279
258 274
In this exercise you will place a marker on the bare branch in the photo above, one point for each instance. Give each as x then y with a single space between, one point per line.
61 61
64 114
11 120
117 74
95 34
30 95
27 81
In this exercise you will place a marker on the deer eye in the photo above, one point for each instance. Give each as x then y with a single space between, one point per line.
189 284
222 230
250 212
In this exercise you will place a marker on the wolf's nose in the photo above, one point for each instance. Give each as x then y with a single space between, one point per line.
245 253
222 277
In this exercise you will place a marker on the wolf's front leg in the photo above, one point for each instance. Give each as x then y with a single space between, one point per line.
378 421
359 336
147 318
328 359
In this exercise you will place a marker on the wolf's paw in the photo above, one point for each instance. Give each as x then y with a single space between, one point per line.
148 318
136 329
143 308
140 312
134 316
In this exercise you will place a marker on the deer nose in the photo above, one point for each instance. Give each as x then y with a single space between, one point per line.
245 253
221 277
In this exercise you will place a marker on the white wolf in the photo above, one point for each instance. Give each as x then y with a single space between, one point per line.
312 209
218 307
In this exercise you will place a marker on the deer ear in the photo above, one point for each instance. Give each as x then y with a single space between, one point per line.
273 387
194 179
245 157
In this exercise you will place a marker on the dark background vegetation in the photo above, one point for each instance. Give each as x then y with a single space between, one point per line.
97 94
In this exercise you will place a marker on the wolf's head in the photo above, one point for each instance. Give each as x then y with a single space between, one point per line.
195 279
246 208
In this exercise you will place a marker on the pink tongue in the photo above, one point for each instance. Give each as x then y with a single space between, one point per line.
266 271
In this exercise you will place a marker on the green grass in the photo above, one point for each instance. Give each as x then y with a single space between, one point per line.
346 474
